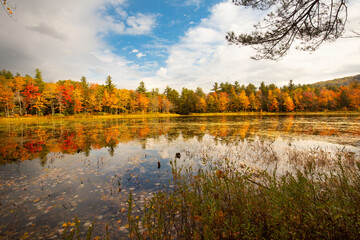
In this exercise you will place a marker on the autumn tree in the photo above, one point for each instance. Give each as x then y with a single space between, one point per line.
287 102
64 93
123 96
311 22
327 99
30 93
49 93
201 105
143 102
254 102
78 99
6 98
17 86
223 101
273 102
93 102
40 104
167 106
243 101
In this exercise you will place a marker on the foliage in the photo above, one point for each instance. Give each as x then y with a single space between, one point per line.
25 95
7 7
336 83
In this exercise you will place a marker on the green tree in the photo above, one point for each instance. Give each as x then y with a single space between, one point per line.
141 88
109 86
215 87
39 80
173 96
188 101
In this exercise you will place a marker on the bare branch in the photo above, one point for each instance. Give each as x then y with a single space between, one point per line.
309 21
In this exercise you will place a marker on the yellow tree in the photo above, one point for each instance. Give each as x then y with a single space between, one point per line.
243 101
273 102
123 96
93 101
106 100
143 102
6 98
78 100
17 85
40 104
201 105
223 101
287 102
327 99
114 101
254 102
50 95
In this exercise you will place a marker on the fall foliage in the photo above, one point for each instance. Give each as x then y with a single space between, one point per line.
26 95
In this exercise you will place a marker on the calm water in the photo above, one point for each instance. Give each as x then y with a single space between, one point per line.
50 172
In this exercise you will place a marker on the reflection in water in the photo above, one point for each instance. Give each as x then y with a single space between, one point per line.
88 168
30 141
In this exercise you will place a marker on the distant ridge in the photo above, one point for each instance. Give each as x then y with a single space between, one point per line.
338 82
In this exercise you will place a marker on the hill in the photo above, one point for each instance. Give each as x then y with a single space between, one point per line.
345 81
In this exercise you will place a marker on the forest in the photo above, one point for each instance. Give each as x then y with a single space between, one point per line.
26 95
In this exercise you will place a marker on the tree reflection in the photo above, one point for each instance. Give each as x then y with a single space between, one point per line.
29 141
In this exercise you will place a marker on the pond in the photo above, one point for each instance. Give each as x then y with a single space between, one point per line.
51 171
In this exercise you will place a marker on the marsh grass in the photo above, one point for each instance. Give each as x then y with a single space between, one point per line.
224 201
71 230
274 113
83 117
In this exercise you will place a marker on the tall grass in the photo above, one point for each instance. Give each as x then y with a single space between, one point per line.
224 201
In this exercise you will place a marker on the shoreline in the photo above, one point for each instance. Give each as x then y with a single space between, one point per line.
82 117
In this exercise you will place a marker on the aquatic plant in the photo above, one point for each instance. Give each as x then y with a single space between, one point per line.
224 201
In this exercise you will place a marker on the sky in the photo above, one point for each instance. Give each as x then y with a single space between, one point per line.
176 43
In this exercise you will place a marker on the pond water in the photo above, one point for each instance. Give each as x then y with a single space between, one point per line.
52 171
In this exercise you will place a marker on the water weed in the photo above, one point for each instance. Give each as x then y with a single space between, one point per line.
222 201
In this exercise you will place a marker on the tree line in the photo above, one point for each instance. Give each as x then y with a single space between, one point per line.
26 95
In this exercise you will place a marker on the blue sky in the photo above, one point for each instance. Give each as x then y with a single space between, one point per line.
161 42
171 20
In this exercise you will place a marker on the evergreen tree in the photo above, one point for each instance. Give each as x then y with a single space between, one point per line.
38 80
141 88
109 84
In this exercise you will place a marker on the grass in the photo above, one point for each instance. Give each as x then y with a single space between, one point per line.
83 117
223 201
275 113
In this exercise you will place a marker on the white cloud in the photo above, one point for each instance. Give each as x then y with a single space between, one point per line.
196 3
121 12
203 56
161 72
140 55
67 42
140 24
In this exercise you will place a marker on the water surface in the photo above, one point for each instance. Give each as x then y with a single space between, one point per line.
51 171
